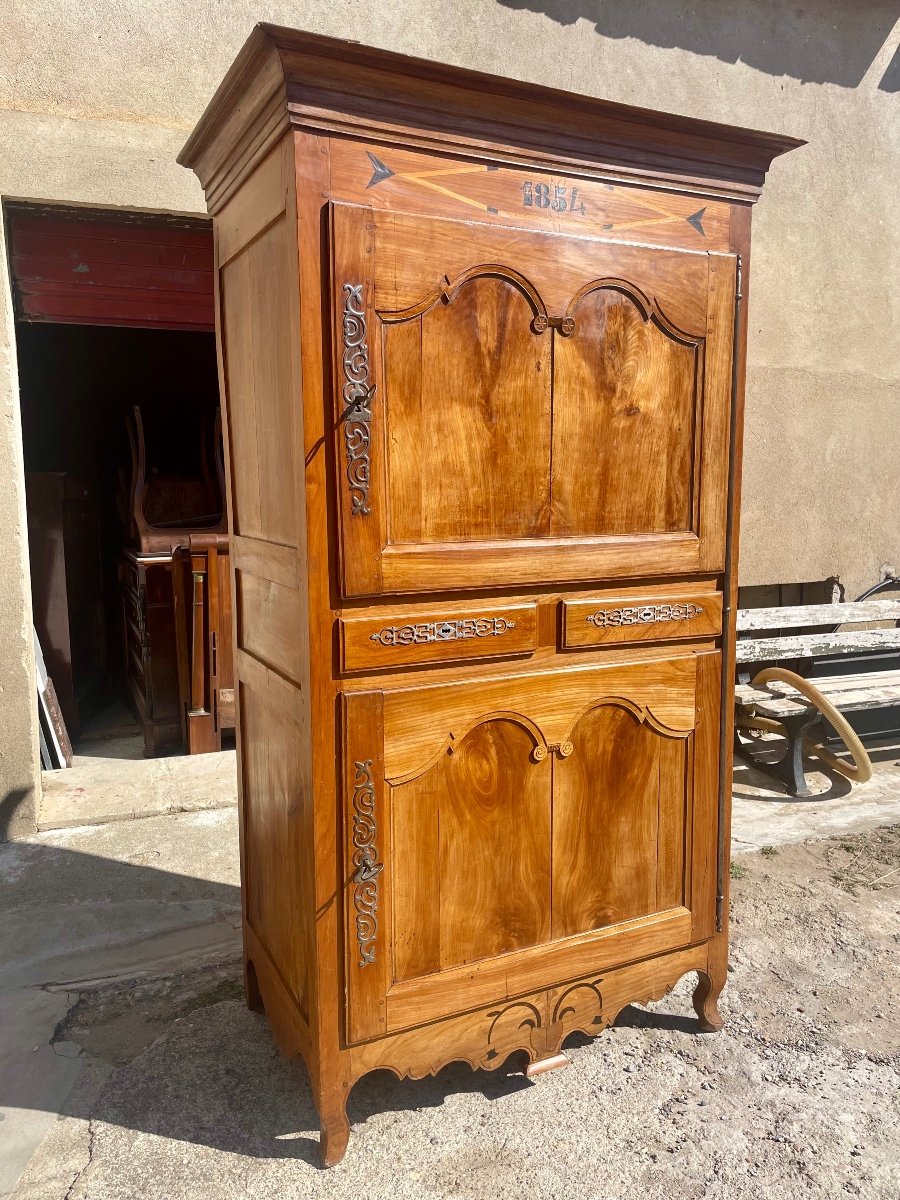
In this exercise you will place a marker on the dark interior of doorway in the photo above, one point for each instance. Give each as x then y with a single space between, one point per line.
78 385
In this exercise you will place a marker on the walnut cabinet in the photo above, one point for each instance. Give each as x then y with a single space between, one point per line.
481 351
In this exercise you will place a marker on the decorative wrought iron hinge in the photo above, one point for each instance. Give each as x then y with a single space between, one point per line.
365 860
358 393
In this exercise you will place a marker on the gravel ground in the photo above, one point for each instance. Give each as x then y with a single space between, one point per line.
185 1096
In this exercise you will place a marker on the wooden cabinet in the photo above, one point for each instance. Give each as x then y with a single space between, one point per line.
177 638
481 349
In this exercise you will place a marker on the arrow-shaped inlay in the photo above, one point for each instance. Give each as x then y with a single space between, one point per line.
382 170
695 219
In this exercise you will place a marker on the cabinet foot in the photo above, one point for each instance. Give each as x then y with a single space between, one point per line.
553 1063
334 1129
252 994
706 996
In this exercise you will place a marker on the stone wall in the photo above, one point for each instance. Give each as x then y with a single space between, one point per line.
97 100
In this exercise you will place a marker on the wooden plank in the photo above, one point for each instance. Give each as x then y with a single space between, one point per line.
509 564
813 645
854 700
418 1000
705 808
674 803
505 195
260 202
805 616
267 560
358 413
865 679
785 701
56 749
96 272
280 693
712 440
415 886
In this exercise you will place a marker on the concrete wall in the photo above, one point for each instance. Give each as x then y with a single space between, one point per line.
97 99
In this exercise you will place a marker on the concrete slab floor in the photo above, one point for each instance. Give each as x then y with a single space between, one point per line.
799 1094
763 814
110 784
86 906
97 906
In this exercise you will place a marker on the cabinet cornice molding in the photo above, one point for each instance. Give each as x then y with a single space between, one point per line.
286 77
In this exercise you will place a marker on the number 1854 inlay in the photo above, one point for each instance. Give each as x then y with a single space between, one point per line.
557 197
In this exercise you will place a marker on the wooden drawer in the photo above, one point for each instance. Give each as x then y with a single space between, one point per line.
373 643
616 619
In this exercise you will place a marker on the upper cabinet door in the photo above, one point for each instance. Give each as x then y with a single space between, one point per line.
516 407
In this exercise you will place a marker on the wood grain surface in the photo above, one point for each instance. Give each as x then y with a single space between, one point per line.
540 405
611 620
477 354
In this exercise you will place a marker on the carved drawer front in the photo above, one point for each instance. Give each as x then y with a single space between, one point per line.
613 620
436 635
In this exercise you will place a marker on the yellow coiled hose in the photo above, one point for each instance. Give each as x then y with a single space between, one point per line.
860 771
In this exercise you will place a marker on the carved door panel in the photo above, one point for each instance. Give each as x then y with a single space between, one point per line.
520 407
505 834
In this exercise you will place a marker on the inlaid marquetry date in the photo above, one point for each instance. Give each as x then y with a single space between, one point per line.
644 614
442 631
556 197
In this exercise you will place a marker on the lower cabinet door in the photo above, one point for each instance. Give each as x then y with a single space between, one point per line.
509 834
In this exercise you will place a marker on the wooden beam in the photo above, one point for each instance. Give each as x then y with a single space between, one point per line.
805 616
814 645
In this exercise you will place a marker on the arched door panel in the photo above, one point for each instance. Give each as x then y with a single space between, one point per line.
471 843
467 419
618 822
625 407
504 834
515 407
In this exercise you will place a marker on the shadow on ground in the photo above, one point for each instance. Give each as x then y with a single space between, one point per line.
145 963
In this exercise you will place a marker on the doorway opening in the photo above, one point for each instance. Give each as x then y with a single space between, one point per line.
128 539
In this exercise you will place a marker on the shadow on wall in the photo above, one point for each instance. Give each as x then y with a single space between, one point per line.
817 41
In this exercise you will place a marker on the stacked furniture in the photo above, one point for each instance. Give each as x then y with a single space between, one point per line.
175 589
482 354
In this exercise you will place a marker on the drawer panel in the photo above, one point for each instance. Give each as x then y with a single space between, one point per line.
617 619
373 643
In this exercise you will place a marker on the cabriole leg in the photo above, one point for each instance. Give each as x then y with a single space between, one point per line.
706 997
252 994
334 1128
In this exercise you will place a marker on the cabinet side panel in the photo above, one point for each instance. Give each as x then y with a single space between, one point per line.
273 802
255 289
258 333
